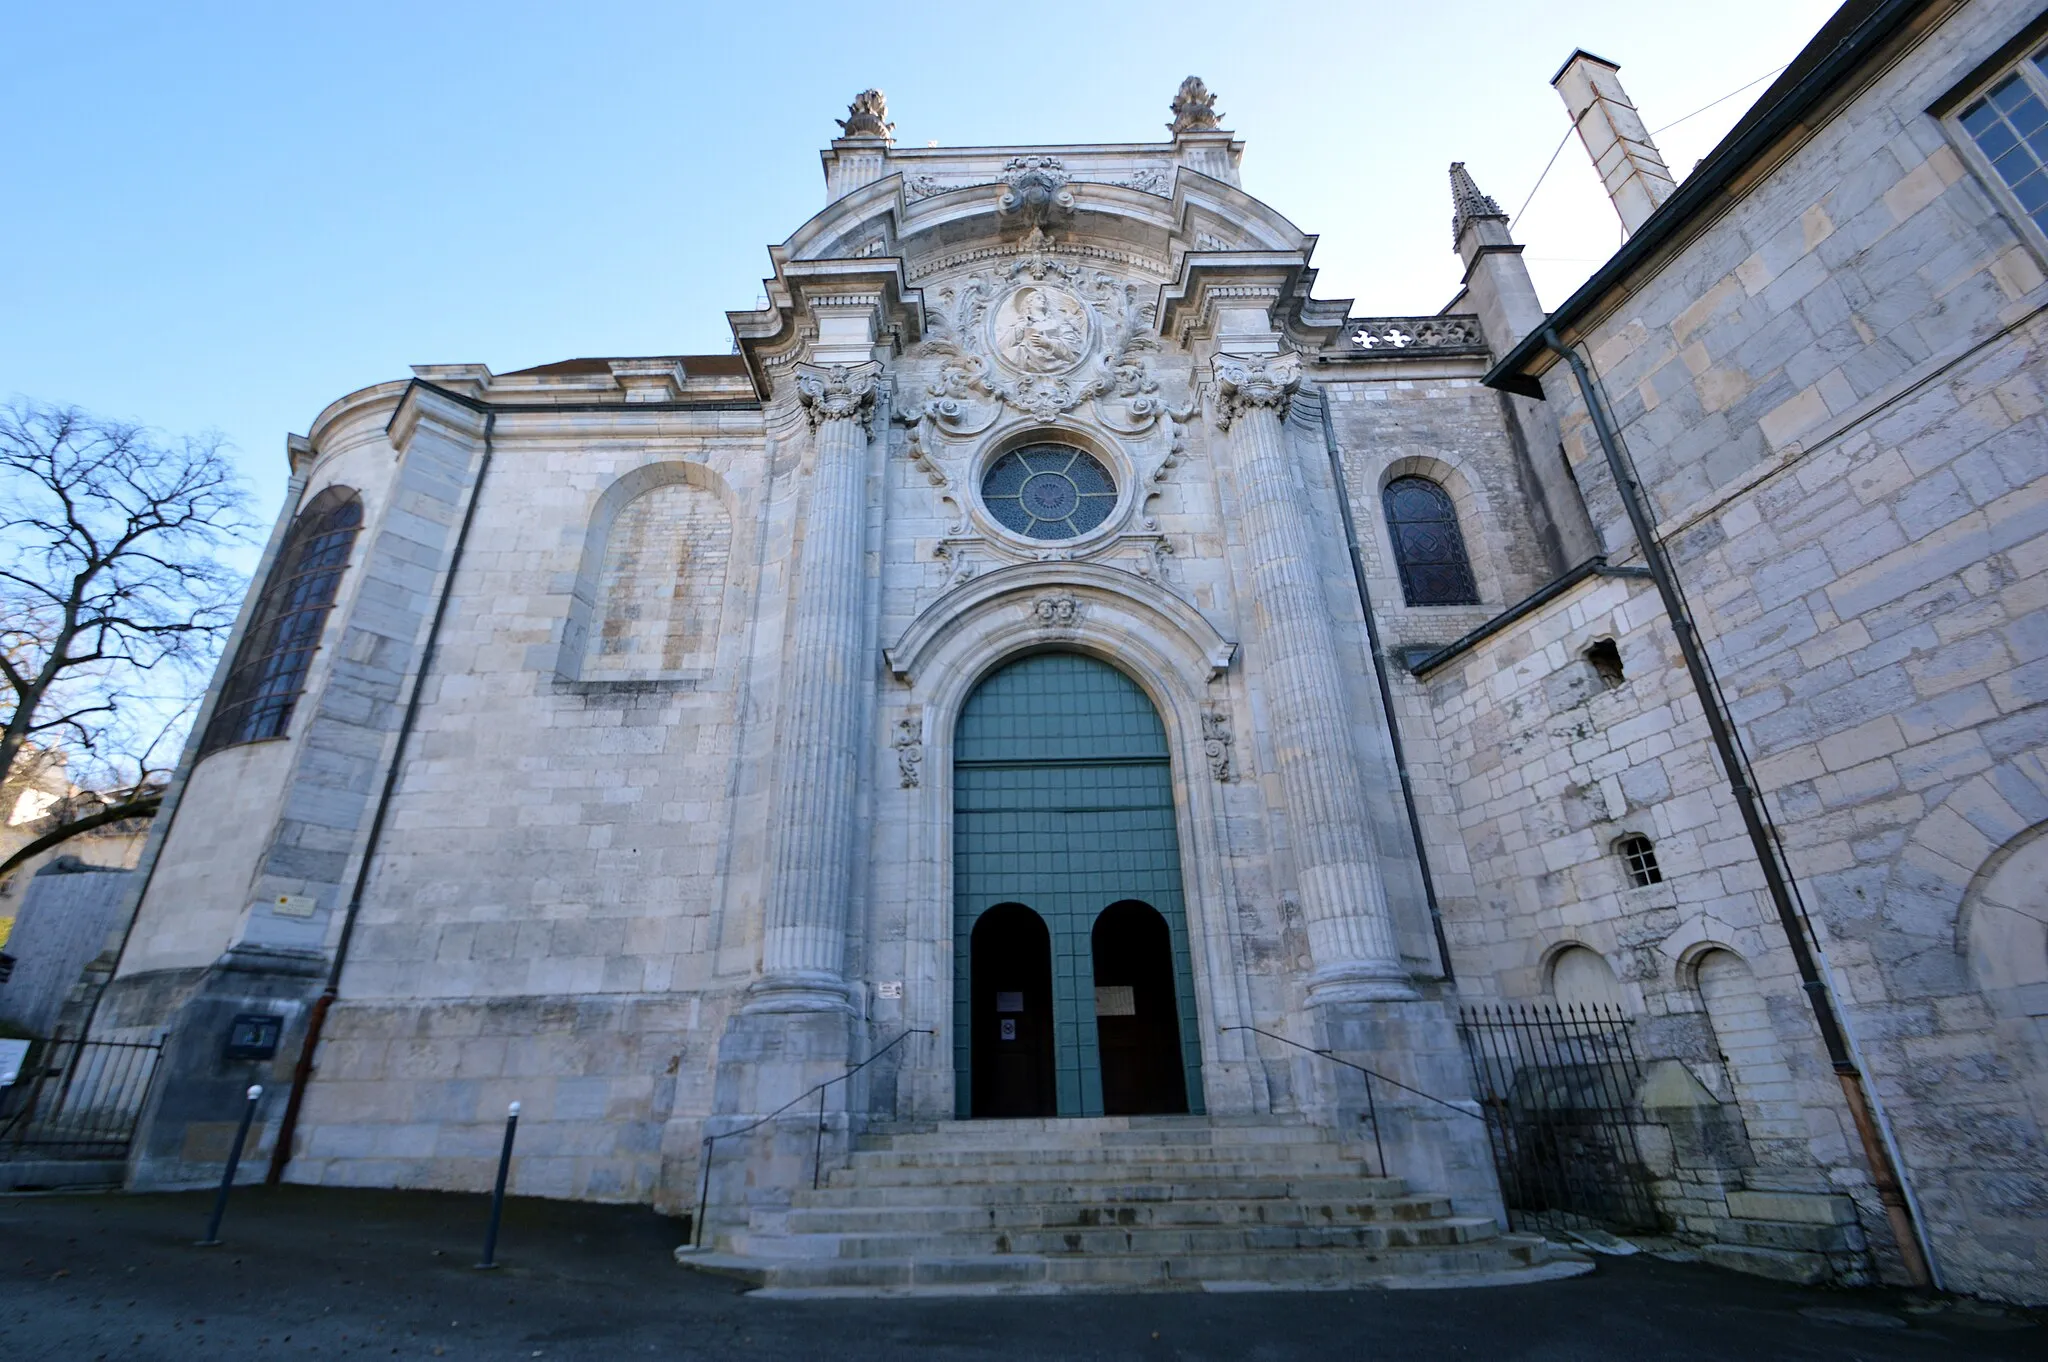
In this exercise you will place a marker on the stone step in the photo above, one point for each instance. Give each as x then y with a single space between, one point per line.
967 1192
1278 1156
979 1173
1112 1204
1498 1261
1072 1215
973 1135
1009 1128
1168 1242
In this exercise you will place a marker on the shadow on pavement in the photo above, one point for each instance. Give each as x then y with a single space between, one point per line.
324 1272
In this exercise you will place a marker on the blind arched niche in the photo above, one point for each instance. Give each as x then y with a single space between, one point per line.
650 595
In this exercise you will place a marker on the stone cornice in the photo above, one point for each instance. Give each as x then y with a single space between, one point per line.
1187 306
801 289
455 414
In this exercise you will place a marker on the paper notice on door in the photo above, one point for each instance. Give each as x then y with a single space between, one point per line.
1009 1002
1115 1000
1009 1028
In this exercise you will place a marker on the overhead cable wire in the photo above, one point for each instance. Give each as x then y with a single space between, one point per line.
1722 100
1547 165
1540 178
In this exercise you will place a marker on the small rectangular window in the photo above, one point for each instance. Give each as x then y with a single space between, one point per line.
1639 856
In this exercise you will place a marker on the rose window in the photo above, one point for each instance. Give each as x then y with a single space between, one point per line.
1049 492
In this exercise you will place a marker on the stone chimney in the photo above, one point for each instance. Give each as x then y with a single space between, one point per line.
1630 166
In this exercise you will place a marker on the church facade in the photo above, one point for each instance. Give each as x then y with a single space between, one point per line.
1063 666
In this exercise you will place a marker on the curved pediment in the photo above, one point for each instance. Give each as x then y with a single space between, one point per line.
1155 212
1059 601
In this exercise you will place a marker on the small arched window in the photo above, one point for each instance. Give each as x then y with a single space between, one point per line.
1427 546
1639 858
270 666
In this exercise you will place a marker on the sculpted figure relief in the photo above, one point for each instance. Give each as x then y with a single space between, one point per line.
1041 330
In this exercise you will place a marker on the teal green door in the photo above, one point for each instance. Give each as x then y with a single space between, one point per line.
1063 803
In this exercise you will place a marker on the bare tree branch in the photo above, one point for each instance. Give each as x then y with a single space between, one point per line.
144 807
112 591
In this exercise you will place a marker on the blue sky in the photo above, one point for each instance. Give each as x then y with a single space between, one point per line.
224 216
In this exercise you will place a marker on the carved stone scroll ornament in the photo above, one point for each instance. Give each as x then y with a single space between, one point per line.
867 116
920 457
1194 108
1216 743
909 745
837 392
1248 382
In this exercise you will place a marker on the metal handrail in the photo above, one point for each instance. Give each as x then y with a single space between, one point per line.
1372 1111
817 1150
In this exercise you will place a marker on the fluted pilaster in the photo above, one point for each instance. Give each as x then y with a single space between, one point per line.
811 832
1350 928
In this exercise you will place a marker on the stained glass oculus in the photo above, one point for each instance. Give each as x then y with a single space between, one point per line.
1049 491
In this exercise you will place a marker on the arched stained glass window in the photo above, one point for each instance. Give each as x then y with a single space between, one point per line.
1427 546
270 666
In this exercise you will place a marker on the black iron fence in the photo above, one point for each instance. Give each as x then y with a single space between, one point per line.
77 1099
1557 1083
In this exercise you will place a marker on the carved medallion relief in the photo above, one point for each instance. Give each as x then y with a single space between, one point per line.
1048 336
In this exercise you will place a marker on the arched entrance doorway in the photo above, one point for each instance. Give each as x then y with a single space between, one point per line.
1013 1051
1137 1026
1063 807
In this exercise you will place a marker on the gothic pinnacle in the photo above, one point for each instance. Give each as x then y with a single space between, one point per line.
1467 202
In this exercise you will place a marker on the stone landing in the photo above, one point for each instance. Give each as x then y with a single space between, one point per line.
1158 1203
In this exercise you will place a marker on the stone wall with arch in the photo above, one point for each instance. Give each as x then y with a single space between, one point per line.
648 600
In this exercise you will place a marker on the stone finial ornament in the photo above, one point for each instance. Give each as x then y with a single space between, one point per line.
867 116
1194 108
1467 202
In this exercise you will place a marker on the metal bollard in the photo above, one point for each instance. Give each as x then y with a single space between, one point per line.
498 1193
227 1177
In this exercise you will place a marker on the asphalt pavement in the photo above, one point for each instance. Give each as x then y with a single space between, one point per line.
325 1273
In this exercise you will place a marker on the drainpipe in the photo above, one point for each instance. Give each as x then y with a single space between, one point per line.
316 1020
1884 1169
1379 671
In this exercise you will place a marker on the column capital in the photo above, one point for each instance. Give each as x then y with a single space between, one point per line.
837 392
1245 382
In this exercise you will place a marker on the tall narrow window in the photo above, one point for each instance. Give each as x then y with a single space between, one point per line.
1427 546
270 666
2010 126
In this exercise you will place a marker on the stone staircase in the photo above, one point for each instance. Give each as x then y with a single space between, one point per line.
1114 1204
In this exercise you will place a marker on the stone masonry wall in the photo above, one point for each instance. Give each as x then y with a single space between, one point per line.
1834 397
